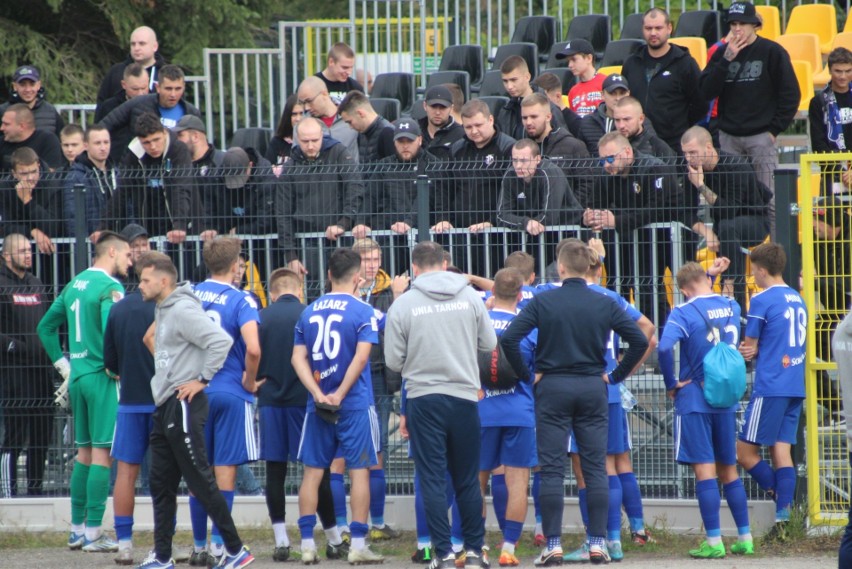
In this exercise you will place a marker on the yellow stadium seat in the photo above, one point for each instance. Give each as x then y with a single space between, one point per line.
843 39
804 47
697 48
610 69
805 74
819 19
771 27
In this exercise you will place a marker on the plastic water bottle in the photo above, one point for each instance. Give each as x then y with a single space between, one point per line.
628 400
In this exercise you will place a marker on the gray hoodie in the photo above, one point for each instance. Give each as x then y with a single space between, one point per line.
433 333
841 349
188 345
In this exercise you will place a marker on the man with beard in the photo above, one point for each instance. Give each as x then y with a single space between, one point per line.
630 122
439 128
516 81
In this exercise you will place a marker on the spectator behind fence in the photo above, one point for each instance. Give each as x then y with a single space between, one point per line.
26 401
830 118
516 81
441 314
533 192
630 122
592 127
551 85
315 99
477 164
207 172
134 83
557 144
337 75
320 190
28 90
83 306
585 96
99 176
365 78
31 202
737 202
19 131
758 94
664 79
393 185
72 140
458 100
281 144
157 185
167 103
375 133
635 191
244 198
439 129
144 52
129 360
705 436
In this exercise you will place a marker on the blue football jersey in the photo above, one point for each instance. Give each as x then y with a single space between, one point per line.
686 324
230 308
777 317
611 354
511 407
331 329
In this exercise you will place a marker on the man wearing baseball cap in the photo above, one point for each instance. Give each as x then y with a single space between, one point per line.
439 129
206 165
585 96
27 89
600 122
757 90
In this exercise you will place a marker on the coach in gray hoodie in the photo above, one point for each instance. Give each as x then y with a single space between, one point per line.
432 336
189 348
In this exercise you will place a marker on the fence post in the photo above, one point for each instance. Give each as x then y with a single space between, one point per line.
422 208
787 235
81 234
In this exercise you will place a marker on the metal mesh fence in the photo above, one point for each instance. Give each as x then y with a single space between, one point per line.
650 216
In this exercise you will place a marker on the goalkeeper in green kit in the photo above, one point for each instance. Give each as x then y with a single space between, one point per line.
84 305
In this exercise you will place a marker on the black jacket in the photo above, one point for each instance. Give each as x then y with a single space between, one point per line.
111 84
597 124
127 113
819 121
573 324
570 154
648 193
46 116
23 303
670 98
646 142
475 175
509 121
376 142
156 193
43 212
100 186
392 189
44 143
314 194
277 329
444 138
758 91
738 191
249 209
207 182
124 353
121 136
541 198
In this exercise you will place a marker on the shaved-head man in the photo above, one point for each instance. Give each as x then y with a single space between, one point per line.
144 51
316 101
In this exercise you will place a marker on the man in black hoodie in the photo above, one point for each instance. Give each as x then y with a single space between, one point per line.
516 81
157 192
630 122
320 190
594 126
664 79
95 171
439 128
31 202
143 50
207 172
133 84
28 381
757 91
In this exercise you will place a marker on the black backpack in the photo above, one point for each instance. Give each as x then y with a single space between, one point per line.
495 371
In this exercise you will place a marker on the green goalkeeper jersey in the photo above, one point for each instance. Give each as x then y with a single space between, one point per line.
84 305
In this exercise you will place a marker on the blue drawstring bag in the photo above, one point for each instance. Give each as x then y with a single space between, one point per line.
724 372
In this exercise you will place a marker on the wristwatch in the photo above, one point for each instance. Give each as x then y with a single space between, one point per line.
206 382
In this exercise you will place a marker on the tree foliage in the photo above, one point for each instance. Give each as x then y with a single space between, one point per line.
74 42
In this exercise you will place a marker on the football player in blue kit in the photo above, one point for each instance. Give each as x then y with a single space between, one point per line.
705 436
775 336
331 354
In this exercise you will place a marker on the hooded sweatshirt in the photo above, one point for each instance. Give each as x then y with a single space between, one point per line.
433 333
188 345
